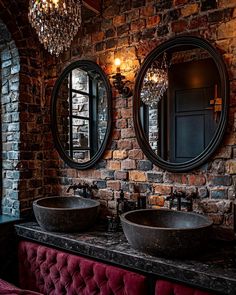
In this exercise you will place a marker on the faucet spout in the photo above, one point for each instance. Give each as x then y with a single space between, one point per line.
85 187
181 199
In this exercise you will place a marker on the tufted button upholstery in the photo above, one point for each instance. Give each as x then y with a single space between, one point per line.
9 289
54 272
169 288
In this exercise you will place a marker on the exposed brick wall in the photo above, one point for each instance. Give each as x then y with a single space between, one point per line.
22 104
10 126
128 29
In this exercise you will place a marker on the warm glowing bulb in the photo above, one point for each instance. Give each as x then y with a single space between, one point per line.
55 2
117 62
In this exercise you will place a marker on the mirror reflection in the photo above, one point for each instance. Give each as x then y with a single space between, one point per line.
81 112
181 102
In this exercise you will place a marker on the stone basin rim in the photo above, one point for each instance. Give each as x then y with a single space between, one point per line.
96 203
208 223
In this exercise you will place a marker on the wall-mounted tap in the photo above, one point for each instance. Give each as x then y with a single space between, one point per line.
85 187
124 205
182 199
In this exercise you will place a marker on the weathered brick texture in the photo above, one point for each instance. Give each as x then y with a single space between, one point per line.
129 30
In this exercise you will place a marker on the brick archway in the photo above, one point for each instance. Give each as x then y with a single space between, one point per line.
10 125
23 156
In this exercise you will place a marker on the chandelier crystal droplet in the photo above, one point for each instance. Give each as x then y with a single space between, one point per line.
56 22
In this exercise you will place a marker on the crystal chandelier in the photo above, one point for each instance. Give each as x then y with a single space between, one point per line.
155 83
56 22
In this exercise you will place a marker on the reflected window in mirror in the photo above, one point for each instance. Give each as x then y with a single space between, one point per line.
81 114
180 103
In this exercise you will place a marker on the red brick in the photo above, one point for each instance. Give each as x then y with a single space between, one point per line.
127 133
120 154
114 165
128 164
147 11
106 194
124 144
179 26
198 22
227 30
162 189
120 103
113 184
226 3
231 167
121 124
122 175
123 41
126 113
137 176
216 218
153 21
180 2
97 37
136 154
119 20
190 9
138 25
196 180
132 15
116 134
156 200
108 154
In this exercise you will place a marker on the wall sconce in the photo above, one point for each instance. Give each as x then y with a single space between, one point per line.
118 82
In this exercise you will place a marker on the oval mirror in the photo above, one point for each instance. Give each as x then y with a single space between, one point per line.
180 103
81 114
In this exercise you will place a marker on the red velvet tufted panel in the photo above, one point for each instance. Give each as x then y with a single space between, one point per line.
9 289
168 288
54 272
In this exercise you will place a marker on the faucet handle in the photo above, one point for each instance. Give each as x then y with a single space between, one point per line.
94 186
192 196
178 194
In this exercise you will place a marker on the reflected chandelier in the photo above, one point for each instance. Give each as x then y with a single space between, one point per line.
56 22
155 83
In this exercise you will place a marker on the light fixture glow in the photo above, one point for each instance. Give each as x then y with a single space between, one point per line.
56 22
119 82
117 62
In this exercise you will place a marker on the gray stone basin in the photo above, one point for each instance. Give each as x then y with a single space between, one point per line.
65 214
163 232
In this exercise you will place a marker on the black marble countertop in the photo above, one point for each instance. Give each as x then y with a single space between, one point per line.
215 269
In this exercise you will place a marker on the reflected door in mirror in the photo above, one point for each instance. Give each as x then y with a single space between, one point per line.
190 115
180 103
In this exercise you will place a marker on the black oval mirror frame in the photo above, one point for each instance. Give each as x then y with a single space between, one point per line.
139 130
84 65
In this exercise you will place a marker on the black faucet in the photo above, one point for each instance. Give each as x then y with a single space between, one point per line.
124 205
120 203
87 189
182 198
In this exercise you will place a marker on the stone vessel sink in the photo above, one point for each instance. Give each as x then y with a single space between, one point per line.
166 232
65 214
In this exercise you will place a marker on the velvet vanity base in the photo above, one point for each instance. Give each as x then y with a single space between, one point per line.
54 272
50 271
